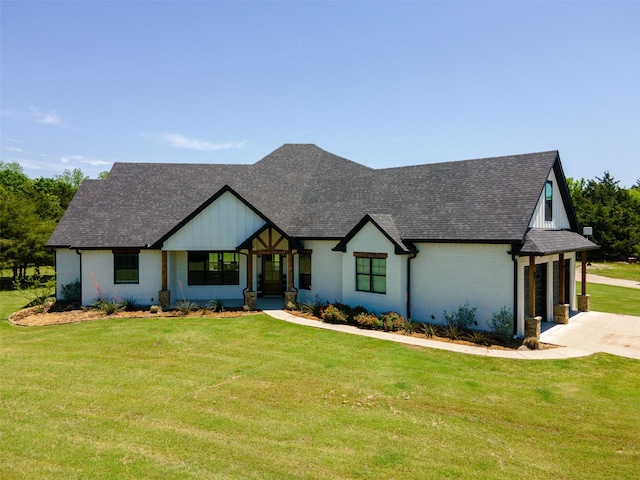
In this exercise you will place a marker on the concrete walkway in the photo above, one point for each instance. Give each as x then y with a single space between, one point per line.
564 352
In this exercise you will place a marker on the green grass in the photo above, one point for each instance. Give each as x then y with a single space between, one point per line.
610 299
255 397
626 271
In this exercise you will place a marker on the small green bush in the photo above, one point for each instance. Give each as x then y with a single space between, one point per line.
369 321
312 306
392 321
332 314
185 306
502 323
71 291
479 338
216 305
428 329
129 304
291 306
463 318
108 305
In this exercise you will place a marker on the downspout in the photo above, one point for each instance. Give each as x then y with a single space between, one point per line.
515 295
413 255
244 290
80 255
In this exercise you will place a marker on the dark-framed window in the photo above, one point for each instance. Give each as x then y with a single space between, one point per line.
213 268
371 272
126 266
304 276
548 201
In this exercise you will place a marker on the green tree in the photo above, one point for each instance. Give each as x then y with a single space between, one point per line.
612 211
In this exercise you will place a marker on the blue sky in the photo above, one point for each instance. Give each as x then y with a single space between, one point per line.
85 84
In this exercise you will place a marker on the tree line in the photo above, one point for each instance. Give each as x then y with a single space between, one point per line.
31 209
614 214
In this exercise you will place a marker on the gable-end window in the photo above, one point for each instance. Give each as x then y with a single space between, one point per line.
548 201
213 268
304 277
126 266
371 272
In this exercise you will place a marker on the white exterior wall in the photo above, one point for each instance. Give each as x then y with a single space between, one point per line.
223 225
97 274
369 239
560 219
67 268
447 275
180 288
326 272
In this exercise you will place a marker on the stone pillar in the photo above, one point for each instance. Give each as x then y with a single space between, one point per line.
532 327
561 313
584 303
290 296
164 298
250 299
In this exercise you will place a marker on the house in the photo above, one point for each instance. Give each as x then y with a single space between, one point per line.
303 222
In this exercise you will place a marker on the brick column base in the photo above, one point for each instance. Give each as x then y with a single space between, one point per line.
250 299
290 296
561 313
532 327
164 298
584 303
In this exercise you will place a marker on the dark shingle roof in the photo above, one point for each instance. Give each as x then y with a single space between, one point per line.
547 242
310 193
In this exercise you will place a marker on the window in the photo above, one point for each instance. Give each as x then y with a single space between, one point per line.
213 268
548 201
304 277
125 267
371 272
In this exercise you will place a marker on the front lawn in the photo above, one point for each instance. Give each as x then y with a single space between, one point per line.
626 271
610 299
254 397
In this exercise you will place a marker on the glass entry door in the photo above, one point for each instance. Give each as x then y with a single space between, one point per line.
272 274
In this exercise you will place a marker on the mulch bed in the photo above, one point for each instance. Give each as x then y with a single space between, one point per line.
59 315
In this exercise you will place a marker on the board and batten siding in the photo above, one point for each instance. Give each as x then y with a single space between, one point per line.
67 269
447 275
560 218
371 240
98 277
223 225
326 272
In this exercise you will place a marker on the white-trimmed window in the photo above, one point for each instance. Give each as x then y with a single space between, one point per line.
213 268
126 266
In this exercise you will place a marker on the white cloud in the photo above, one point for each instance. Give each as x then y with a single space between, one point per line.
50 118
180 141
66 159
14 149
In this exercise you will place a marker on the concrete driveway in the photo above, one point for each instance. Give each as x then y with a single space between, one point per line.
598 332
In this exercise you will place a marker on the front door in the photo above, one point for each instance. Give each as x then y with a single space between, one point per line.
272 274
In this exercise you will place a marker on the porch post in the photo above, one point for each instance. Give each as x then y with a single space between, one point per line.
164 295
584 303
249 295
290 270
250 271
561 279
561 310
531 303
531 322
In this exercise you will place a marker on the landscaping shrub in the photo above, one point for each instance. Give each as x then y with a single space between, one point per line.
502 323
185 306
129 304
332 314
392 321
479 338
312 306
71 291
463 318
532 343
369 321
108 305
291 306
